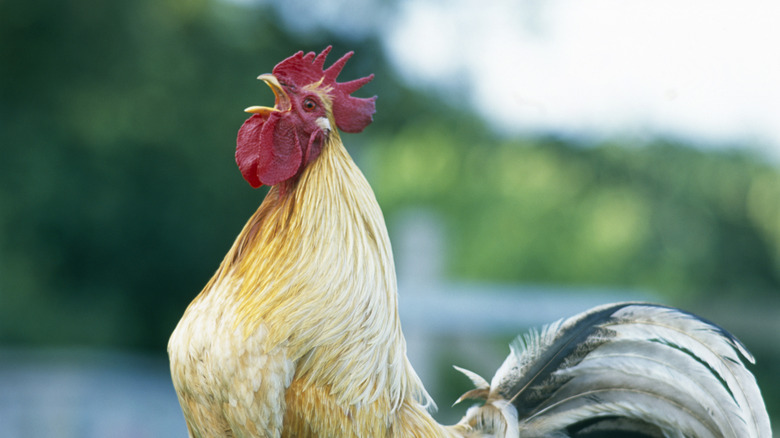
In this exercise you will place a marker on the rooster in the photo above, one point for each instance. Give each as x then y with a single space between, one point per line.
297 333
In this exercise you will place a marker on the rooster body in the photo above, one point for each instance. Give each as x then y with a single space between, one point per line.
297 334
298 330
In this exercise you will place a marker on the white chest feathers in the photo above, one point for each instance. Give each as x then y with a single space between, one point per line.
227 381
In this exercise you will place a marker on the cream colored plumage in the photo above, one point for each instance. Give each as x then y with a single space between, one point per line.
301 318
297 334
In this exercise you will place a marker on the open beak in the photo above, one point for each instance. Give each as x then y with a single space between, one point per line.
281 101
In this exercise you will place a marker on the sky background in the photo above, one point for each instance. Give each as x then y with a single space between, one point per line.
698 69
703 71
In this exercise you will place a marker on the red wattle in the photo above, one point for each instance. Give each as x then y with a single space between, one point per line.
280 150
248 149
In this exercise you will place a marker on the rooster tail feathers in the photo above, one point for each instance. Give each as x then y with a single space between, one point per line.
627 367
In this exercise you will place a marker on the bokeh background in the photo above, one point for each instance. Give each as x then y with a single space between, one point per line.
532 159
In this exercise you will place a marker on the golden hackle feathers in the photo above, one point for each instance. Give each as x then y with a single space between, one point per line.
312 271
289 278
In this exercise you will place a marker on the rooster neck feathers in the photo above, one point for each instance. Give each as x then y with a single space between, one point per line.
315 264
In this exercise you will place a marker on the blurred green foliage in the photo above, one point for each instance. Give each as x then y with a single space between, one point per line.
118 189
119 194
662 217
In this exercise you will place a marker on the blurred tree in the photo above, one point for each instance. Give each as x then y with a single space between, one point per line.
119 192
118 189
664 217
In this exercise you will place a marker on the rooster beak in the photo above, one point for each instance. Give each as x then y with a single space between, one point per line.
282 101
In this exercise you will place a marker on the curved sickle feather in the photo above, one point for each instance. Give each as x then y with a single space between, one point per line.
625 367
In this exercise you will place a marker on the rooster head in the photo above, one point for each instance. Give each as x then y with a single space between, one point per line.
275 144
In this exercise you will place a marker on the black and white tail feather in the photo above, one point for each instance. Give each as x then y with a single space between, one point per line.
628 370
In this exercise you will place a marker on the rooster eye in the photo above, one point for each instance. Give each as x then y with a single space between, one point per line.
309 105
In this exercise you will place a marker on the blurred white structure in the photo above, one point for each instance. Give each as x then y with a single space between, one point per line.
78 393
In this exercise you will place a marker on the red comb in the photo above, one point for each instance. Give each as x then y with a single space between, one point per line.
352 114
